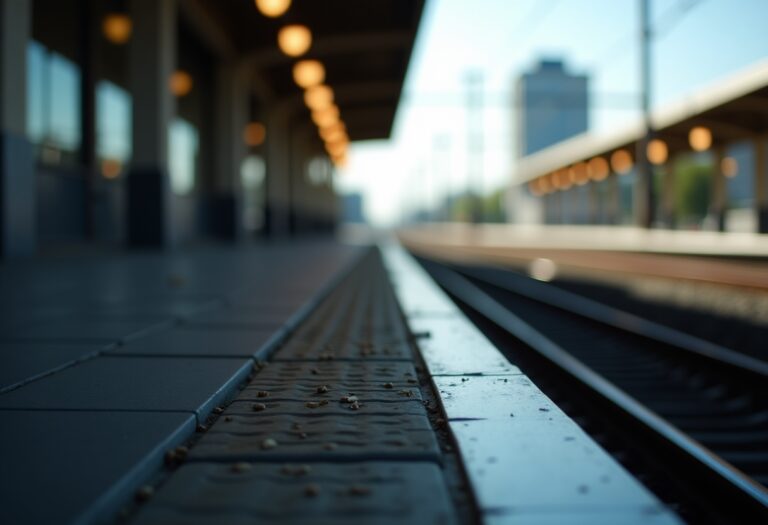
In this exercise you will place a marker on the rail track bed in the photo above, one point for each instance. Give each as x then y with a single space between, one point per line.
686 415
730 317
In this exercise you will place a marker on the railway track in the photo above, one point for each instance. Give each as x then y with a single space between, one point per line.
695 413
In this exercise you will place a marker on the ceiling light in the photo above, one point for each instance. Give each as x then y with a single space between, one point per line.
254 134
180 83
273 8
657 152
308 73
294 40
621 161
117 28
700 138
318 97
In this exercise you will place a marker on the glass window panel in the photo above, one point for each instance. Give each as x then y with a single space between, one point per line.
113 128
63 103
318 171
183 156
53 105
36 63
252 172
740 186
626 197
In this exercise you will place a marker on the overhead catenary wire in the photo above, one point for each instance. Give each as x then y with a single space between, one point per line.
534 19
662 26
617 100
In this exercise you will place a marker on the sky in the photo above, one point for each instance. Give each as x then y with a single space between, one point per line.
695 43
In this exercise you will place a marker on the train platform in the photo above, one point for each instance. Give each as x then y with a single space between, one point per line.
598 238
286 383
731 259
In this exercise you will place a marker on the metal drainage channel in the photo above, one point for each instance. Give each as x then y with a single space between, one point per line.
694 413
337 428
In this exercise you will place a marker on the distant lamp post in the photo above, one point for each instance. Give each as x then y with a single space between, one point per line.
700 138
545 185
565 179
578 173
729 167
621 161
254 134
273 8
308 73
598 168
555 179
294 40
535 188
117 28
561 179
657 152
180 83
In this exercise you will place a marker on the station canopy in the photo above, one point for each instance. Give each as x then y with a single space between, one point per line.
364 46
733 109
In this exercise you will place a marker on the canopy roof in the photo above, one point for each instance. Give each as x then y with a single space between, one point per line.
365 46
733 109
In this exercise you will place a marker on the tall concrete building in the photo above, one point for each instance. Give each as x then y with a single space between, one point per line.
551 105
352 208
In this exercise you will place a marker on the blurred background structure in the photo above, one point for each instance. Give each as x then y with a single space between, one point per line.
191 189
172 122
696 48
157 123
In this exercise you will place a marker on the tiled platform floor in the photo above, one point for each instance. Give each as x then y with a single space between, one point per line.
108 361
333 430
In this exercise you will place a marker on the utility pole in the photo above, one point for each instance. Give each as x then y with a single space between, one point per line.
441 173
474 83
423 207
647 198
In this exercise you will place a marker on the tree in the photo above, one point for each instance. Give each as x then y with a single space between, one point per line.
693 186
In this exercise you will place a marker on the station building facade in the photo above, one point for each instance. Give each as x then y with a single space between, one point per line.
551 105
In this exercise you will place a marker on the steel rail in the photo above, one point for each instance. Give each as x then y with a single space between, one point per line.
625 321
738 494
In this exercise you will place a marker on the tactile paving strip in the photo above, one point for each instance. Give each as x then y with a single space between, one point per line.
352 405
385 350
319 390
343 392
317 494
332 372
330 436
313 410
361 322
